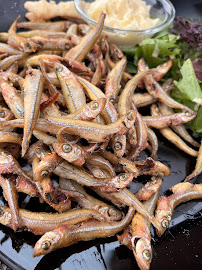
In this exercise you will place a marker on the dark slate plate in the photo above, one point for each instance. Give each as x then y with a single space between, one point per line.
179 248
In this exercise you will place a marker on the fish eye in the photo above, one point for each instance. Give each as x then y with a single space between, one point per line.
46 245
65 136
165 223
94 105
2 114
28 46
44 173
67 46
59 68
153 181
122 177
38 150
188 114
117 146
4 153
66 148
111 212
146 255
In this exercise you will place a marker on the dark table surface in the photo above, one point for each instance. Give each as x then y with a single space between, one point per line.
179 248
188 8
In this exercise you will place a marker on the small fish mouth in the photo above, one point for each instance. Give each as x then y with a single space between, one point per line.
36 252
134 241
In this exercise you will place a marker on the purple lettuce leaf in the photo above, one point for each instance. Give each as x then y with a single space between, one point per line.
189 32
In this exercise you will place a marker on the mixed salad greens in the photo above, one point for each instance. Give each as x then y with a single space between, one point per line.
183 44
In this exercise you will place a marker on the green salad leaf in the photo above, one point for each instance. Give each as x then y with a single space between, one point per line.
189 85
154 50
197 125
189 92
157 51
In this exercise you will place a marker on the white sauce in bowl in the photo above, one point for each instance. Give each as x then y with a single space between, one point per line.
123 14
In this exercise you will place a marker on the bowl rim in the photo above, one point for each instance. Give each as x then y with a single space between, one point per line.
151 30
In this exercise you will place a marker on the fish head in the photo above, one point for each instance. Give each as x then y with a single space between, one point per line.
154 184
47 243
5 114
61 71
93 108
29 46
7 162
163 217
5 216
110 213
142 251
70 152
122 180
130 118
119 145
